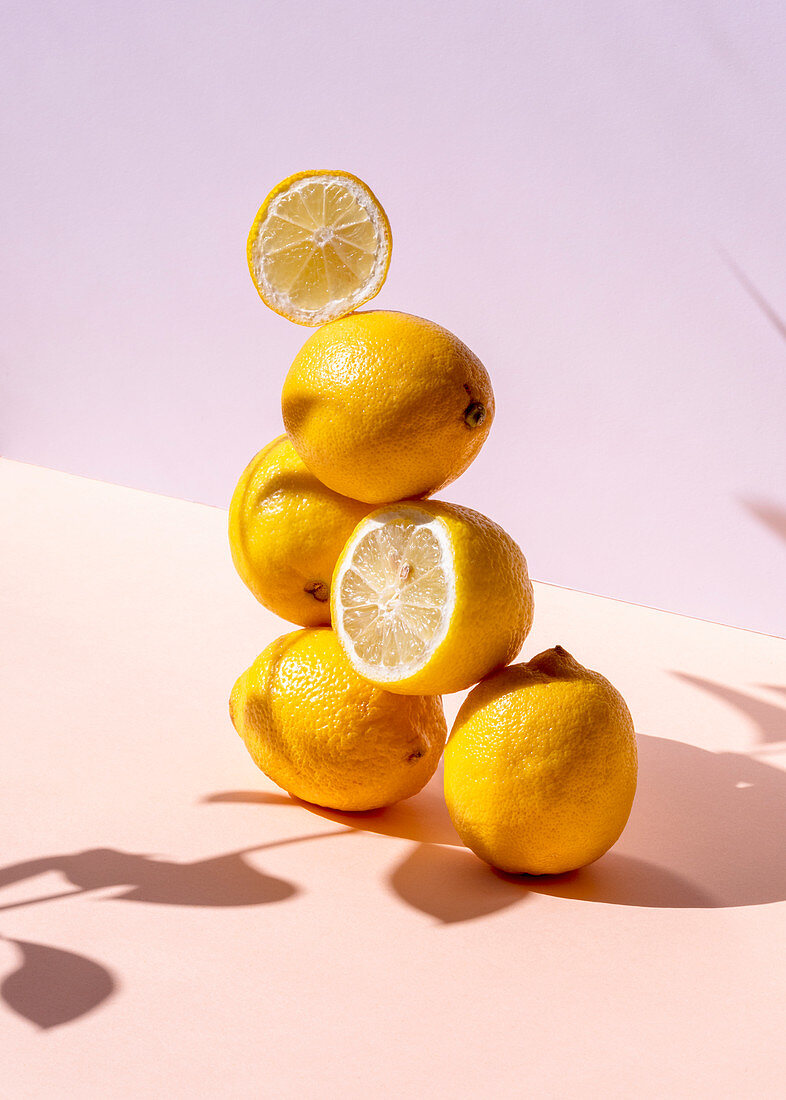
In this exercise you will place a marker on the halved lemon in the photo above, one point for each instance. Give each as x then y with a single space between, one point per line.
319 247
429 597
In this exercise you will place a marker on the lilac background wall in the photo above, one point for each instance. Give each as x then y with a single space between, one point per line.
592 195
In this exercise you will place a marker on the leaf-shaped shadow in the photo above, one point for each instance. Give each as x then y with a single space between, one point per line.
770 719
748 285
768 512
219 881
452 884
781 688
52 987
226 880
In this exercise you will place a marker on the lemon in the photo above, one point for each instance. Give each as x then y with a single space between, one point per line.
428 597
319 247
286 531
325 735
383 406
540 767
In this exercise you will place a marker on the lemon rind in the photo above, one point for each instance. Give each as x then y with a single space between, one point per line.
365 197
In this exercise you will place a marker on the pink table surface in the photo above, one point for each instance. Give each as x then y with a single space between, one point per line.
172 924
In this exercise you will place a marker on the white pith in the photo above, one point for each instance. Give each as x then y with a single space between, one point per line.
395 586
311 234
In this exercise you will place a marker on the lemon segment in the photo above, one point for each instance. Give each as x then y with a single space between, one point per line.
429 597
395 593
319 247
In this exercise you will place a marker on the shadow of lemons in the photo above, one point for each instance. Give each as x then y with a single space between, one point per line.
622 880
706 831
423 818
713 821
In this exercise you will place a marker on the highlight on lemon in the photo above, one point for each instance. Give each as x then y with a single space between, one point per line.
429 597
319 247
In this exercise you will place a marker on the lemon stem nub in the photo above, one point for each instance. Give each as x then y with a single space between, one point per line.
319 590
474 414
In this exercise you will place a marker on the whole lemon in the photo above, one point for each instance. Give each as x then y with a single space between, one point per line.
286 530
540 767
428 597
383 406
324 734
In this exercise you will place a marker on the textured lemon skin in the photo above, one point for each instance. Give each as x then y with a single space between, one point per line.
376 406
325 735
285 185
286 531
493 609
541 766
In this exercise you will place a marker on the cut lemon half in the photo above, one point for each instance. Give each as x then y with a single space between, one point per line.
428 598
319 247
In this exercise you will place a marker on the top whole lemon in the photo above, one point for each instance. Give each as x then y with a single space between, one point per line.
286 531
428 597
383 406
540 766
324 734
319 246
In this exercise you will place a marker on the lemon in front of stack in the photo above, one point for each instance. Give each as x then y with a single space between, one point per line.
541 766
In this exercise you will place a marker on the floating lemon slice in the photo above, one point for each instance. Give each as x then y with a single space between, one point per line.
427 598
319 247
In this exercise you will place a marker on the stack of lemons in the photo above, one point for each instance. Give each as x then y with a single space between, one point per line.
402 598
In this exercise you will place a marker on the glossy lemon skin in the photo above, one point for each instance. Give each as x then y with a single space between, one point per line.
286 531
493 609
325 735
541 766
384 406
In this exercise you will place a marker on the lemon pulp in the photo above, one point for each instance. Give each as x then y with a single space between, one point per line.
319 247
395 593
